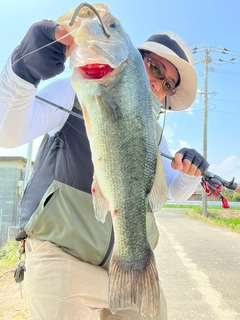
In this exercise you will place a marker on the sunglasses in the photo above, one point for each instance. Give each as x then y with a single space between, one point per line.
157 70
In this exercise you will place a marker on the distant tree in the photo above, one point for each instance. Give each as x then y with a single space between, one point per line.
231 195
236 196
228 194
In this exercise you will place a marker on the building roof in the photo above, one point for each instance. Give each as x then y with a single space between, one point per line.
14 158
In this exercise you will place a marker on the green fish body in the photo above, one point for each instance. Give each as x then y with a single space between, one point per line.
112 86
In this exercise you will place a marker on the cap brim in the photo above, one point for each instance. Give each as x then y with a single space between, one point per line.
187 89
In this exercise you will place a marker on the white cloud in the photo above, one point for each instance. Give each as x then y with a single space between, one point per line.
183 144
227 169
169 132
172 151
190 111
198 96
198 100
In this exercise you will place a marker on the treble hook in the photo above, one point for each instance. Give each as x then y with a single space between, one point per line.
85 4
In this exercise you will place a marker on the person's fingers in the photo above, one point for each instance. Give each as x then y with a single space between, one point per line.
192 170
177 162
187 166
61 35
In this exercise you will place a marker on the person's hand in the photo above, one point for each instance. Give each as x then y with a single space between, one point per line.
189 161
39 56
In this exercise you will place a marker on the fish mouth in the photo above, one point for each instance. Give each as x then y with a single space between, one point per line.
95 71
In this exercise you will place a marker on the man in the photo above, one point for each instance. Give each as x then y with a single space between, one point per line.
67 249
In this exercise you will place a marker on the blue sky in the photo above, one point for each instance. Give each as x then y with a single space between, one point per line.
203 24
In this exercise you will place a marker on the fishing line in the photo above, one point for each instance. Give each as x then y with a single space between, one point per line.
44 100
70 24
47 45
164 120
77 129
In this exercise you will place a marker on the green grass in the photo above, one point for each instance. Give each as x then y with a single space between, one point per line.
183 206
215 218
8 255
215 215
180 206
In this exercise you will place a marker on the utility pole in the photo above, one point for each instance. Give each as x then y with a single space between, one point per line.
206 61
29 163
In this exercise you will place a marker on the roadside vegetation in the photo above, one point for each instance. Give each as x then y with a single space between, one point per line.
225 218
8 255
13 304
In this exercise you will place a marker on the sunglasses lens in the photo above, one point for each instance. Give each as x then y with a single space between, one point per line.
156 69
169 87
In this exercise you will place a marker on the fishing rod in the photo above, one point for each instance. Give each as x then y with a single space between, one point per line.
213 184
60 108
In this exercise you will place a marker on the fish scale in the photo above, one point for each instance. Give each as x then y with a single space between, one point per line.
128 172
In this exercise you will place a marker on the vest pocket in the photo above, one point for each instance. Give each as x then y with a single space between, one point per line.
65 216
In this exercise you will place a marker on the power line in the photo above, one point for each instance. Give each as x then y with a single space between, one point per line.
234 55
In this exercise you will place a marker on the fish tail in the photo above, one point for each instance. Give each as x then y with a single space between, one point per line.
134 287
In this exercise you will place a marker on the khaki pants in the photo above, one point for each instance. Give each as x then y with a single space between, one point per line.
62 287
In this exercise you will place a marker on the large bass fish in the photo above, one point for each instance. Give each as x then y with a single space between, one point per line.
111 84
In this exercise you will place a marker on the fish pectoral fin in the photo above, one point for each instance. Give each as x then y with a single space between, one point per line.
109 104
158 194
128 286
100 204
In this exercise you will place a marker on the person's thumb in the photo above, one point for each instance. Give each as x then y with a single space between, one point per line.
61 35
177 162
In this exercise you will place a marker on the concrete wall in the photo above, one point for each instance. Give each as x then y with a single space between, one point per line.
12 171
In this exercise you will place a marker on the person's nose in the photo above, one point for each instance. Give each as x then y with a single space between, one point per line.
156 87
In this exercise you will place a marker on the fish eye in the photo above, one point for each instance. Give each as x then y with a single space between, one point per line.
113 24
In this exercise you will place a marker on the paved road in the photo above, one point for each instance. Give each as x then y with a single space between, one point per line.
199 268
